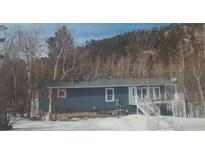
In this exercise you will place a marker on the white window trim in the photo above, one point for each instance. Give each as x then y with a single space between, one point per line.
106 96
154 93
65 93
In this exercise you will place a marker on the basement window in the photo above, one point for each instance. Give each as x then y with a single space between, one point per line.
61 93
109 95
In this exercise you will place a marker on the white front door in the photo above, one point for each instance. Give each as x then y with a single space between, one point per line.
133 95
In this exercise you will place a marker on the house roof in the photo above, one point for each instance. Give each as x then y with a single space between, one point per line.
107 83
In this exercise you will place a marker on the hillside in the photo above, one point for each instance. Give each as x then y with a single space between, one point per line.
176 51
136 41
155 52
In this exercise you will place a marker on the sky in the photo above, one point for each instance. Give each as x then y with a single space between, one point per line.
82 32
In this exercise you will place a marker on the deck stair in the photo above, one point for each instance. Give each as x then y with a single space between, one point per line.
149 110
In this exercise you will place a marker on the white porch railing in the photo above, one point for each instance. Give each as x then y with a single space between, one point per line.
149 109
150 106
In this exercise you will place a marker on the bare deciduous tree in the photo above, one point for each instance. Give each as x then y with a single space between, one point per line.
197 70
62 53
29 48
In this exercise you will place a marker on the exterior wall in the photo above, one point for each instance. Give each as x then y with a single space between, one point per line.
87 99
44 101
91 99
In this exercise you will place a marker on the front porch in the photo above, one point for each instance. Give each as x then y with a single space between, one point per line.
158 100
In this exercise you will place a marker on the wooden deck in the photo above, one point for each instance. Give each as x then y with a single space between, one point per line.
153 107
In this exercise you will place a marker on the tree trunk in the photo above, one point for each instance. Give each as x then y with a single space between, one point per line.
196 72
65 72
55 73
14 86
28 69
201 93
182 72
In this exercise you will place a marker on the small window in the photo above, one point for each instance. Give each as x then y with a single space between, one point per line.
109 95
61 93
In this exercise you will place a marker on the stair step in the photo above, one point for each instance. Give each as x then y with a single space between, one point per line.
148 110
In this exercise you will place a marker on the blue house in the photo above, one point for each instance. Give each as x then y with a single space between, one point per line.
145 96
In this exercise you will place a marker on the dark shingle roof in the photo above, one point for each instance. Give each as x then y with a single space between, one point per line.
107 83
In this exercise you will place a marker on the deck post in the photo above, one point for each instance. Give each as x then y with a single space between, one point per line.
137 109
173 109
184 109
165 93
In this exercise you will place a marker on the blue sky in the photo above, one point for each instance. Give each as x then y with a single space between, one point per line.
87 31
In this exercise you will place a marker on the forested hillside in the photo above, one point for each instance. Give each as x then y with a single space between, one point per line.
148 52
177 50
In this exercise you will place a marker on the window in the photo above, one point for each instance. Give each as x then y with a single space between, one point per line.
151 90
61 93
139 93
109 95
144 93
155 92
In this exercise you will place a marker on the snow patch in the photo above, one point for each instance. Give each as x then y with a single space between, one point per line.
124 123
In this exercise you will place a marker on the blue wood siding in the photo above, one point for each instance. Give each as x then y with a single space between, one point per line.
44 101
91 99
88 99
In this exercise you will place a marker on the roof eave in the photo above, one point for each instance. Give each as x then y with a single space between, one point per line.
64 87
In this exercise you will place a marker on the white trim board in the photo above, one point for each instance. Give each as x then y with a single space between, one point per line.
65 93
106 95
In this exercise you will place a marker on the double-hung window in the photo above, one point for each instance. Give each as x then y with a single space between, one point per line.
109 95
